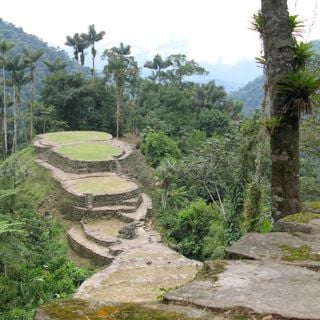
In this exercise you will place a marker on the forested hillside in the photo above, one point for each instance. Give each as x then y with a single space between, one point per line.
250 95
24 40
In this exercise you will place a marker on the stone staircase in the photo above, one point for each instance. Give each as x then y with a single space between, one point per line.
106 222
113 229
100 240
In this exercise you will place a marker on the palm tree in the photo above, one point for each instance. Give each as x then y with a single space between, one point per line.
158 64
166 172
78 44
5 46
73 42
21 80
120 67
14 65
56 66
92 37
30 58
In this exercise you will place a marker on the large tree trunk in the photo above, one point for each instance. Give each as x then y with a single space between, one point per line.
14 139
277 42
31 107
118 113
5 121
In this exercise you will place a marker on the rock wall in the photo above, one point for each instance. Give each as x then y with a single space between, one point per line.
76 166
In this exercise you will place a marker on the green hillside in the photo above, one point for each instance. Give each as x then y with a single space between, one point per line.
10 32
251 94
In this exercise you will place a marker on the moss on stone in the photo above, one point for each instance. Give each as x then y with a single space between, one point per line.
81 310
314 205
211 269
301 253
302 217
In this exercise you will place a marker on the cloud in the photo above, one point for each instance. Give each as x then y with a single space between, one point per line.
206 30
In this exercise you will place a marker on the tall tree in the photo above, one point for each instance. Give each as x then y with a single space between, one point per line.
121 68
290 89
5 46
92 37
21 80
158 64
181 68
30 59
56 66
79 45
15 65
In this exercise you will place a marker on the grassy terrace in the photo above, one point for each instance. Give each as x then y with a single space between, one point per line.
89 151
76 136
103 185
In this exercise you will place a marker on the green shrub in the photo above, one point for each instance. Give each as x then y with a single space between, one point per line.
199 231
213 121
157 146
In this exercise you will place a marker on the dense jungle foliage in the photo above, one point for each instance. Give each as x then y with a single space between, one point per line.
206 153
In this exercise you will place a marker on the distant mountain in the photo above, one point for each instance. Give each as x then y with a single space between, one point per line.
252 93
10 32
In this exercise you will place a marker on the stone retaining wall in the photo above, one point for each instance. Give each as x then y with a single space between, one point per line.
77 166
73 207
80 213
87 253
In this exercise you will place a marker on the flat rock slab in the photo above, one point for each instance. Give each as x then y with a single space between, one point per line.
138 275
261 286
267 246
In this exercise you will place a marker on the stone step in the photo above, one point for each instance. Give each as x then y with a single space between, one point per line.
81 245
141 213
104 232
101 212
133 201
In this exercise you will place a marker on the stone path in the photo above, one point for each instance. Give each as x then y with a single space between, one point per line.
113 230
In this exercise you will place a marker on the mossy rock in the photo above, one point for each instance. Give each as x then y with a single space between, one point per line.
301 253
211 269
81 310
302 217
314 206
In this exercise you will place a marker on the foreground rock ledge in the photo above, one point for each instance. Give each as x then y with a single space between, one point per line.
261 286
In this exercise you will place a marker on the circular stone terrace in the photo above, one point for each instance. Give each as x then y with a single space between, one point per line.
83 151
55 139
102 185
94 151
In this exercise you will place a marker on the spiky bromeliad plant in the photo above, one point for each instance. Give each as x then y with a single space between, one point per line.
303 53
298 90
295 24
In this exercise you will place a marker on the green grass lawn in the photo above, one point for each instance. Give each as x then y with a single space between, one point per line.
103 185
76 136
89 151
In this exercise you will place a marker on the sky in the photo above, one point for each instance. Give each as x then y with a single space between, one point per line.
213 31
